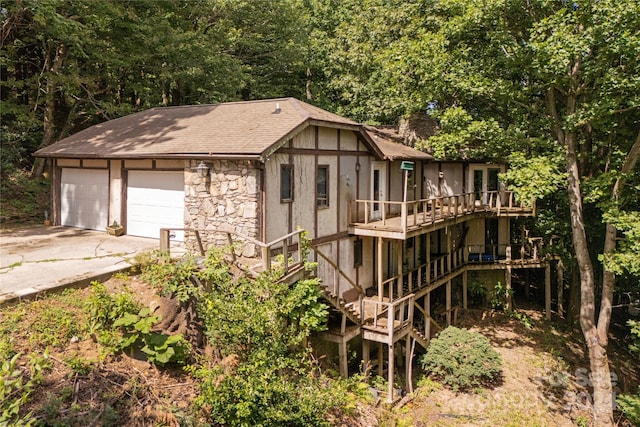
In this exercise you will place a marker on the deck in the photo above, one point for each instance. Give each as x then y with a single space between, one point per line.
402 220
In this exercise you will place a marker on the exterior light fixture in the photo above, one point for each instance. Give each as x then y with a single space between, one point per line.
202 169
358 167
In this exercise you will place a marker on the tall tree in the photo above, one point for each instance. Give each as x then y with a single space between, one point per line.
552 83
68 64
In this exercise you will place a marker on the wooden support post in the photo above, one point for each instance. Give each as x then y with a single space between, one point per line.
448 234
507 276
465 286
407 364
448 303
343 352
165 246
428 251
266 258
380 355
390 371
560 288
399 247
547 291
366 353
427 322
379 266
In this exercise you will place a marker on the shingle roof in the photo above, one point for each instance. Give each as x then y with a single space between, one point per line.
234 129
392 149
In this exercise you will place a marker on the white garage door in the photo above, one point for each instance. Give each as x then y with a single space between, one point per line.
155 200
84 198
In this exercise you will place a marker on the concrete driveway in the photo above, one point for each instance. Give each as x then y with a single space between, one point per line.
36 259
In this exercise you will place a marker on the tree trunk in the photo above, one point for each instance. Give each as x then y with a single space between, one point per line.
598 360
48 122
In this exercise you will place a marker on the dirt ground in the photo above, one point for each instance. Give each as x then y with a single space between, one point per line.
544 381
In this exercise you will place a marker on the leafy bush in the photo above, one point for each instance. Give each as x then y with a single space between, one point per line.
264 374
16 387
629 404
118 323
462 359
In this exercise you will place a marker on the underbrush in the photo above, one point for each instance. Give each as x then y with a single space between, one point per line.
252 364
24 200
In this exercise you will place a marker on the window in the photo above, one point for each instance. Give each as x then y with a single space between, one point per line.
286 183
357 253
322 187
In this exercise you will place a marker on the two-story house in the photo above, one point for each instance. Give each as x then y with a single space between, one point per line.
397 234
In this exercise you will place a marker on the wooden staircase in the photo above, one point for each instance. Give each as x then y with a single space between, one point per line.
350 309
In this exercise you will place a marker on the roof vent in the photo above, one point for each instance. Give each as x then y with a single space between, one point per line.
278 109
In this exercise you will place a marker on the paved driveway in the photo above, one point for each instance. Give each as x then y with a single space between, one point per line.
41 258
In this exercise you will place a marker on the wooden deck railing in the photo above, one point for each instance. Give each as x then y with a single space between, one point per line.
419 213
387 317
282 246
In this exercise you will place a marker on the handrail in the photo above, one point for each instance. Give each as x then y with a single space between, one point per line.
428 211
265 248
395 311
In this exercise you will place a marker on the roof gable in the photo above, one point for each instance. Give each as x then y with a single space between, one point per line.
234 129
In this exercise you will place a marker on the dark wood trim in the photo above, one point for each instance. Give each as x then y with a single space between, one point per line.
56 194
327 239
263 201
316 142
314 152
338 194
124 176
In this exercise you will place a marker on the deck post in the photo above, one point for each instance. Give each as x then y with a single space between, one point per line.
379 266
380 356
427 322
448 302
547 291
399 246
407 365
465 285
560 288
390 369
508 278
366 353
343 352
164 241
428 251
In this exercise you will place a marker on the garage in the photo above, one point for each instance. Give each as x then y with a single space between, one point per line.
84 198
155 200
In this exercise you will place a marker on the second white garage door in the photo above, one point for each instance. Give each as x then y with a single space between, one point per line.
155 200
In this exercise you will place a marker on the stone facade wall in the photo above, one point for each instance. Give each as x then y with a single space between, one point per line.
227 200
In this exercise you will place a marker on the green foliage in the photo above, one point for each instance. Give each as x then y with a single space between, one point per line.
462 359
265 375
16 387
171 277
626 257
105 308
635 336
526 321
477 293
119 324
24 200
533 177
629 404
500 296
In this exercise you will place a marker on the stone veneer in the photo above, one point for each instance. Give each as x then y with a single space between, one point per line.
228 200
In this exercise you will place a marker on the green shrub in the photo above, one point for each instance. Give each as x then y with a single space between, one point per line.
462 359
629 404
